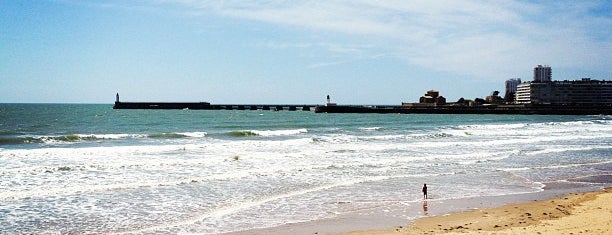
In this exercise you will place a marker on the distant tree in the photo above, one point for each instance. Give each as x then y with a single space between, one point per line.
494 98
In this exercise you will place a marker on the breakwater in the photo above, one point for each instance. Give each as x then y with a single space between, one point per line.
209 106
399 109
483 109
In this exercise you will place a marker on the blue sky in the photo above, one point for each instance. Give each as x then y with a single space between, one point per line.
240 51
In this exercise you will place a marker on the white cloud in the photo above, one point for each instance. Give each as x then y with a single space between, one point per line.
480 38
326 64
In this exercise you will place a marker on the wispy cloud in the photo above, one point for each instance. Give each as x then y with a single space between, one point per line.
327 64
337 53
476 37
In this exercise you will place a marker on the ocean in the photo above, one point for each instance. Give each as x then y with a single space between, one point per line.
86 168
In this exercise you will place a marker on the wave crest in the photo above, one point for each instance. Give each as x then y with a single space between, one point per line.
267 133
73 138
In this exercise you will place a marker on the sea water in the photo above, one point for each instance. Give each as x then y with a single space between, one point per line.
72 168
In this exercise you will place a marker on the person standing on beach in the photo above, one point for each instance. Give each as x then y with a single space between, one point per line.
424 191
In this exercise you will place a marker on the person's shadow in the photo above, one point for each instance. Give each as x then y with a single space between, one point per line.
425 207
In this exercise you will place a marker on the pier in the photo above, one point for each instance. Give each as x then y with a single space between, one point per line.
493 109
209 106
406 108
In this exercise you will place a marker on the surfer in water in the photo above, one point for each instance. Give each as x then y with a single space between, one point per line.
424 191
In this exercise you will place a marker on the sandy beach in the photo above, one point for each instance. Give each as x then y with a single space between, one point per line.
578 213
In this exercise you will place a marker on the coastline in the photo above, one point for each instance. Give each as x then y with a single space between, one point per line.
576 213
288 172
401 217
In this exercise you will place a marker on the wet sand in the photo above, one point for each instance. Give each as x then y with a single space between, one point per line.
576 213
395 217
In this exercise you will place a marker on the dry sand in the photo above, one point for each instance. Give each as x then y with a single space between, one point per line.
582 213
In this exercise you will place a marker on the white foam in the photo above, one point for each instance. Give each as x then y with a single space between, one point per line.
376 128
109 136
327 159
244 205
572 165
534 129
269 133
240 206
85 187
562 149
194 134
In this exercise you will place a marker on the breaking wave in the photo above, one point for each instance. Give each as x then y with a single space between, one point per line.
267 133
73 138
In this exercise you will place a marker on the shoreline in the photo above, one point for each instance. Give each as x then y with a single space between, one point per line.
575 213
402 215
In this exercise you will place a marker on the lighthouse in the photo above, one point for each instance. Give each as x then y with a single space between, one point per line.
329 103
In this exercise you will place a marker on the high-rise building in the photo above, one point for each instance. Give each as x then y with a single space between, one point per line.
511 85
542 90
585 91
542 74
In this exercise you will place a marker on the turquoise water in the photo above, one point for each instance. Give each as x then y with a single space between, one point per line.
77 168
